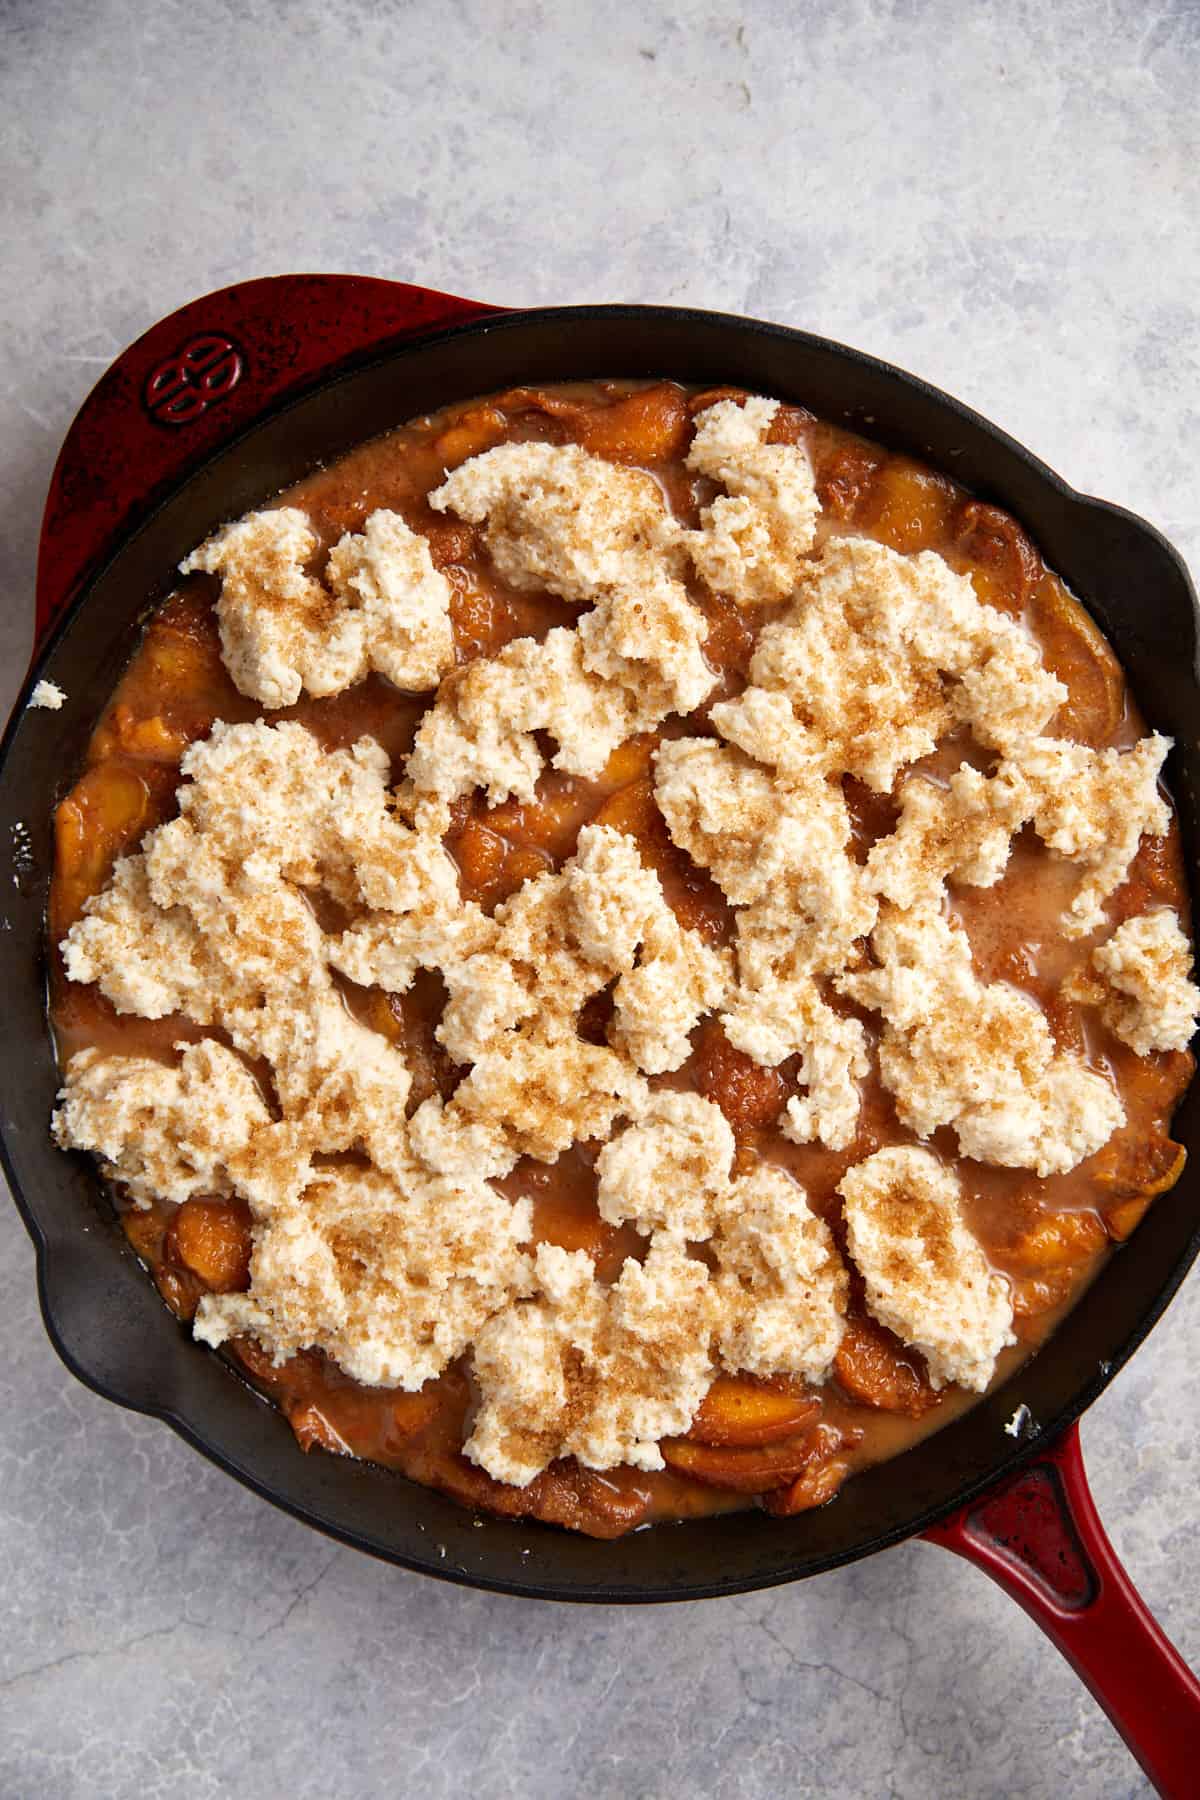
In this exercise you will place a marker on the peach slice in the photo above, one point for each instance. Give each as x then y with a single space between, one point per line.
817 1485
450 541
479 854
911 506
632 809
744 1413
482 621
701 402
585 1500
1036 1294
647 426
791 425
564 1494
822 1475
145 737
473 432
749 1095
845 478
629 761
874 1367
316 1424
1137 1176
730 643
1059 1240
644 427
108 806
1077 653
1006 565
1152 1168
1122 1219
314 1431
211 1238
747 1471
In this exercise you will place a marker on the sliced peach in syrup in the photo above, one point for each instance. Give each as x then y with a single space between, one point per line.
701 402
1155 874
910 506
747 1471
1007 566
744 1413
361 1424
749 1095
1059 1240
1135 1172
817 1485
150 738
472 432
258 1362
822 1475
479 853
563 1494
108 806
1074 649
1036 1294
647 426
587 1501
523 863
450 541
482 621
845 478
314 1431
791 425
629 761
491 865
632 809
144 1231
1151 1170
643 427
874 1367
1047 1258
211 1238
731 637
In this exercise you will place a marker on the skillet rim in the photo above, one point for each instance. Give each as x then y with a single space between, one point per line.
1012 1454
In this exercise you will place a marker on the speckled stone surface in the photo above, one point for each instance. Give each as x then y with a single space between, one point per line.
1002 197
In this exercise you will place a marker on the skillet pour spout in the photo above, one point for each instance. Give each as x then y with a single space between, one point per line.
214 410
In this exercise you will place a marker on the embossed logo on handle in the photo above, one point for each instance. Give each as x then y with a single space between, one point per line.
198 375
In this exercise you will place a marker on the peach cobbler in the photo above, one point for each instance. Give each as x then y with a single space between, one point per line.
624 952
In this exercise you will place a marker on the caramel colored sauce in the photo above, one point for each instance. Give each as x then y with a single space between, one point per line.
1048 1236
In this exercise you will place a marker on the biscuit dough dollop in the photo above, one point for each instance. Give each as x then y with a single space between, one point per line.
382 605
163 1132
927 1278
1145 992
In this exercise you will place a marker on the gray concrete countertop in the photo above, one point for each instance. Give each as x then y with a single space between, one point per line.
1000 196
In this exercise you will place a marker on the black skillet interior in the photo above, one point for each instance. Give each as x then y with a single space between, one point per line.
104 1315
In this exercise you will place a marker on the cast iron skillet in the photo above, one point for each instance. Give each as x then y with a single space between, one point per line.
210 413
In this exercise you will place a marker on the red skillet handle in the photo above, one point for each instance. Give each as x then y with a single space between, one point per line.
193 381
1039 1536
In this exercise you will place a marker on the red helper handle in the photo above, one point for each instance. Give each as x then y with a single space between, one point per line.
196 379
1039 1536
